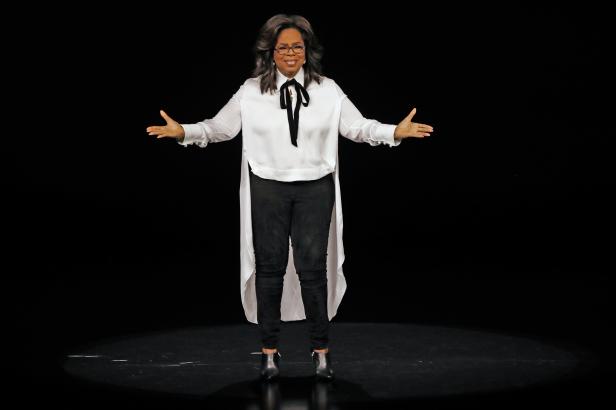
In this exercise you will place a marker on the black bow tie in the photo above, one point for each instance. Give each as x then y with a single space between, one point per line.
285 102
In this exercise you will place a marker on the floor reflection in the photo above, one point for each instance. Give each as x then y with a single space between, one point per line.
296 393
271 398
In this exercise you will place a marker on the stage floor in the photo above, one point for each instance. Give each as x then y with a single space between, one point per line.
377 365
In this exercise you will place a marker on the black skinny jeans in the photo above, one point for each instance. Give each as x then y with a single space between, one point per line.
302 210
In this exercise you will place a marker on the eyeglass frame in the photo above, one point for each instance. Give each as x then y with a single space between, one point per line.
302 47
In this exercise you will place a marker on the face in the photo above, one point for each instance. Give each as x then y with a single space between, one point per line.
289 63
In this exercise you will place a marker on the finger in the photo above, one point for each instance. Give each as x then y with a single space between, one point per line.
165 116
411 114
424 127
158 130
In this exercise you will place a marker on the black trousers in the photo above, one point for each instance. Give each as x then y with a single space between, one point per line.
301 210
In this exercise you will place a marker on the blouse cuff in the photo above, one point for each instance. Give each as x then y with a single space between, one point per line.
385 133
192 134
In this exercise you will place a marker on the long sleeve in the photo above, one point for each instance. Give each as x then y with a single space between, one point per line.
354 126
222 127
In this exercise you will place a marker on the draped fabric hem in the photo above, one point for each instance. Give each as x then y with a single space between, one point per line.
292 307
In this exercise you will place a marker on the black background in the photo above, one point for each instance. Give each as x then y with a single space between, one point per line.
502 219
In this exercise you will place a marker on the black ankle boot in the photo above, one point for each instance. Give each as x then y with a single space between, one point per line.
322 365
269 365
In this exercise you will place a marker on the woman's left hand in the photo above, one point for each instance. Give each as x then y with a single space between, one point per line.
407 128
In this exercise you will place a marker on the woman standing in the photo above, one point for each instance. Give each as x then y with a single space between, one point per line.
290 116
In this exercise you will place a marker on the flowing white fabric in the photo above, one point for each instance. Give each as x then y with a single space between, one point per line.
267 147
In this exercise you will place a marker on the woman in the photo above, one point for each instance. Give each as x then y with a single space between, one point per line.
290 116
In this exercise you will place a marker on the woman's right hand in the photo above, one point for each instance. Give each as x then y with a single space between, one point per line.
172 130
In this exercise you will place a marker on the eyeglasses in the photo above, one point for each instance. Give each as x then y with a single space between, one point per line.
297 49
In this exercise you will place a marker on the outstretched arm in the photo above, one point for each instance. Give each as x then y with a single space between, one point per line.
407 128
224 126
354 126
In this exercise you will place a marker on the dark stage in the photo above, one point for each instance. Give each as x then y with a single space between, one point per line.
478 260
468 344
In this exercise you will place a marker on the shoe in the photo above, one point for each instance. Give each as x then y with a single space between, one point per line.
269 365
322 365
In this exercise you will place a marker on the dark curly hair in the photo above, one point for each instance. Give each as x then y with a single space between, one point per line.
264 50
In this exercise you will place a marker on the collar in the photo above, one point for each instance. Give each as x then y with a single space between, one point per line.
281 78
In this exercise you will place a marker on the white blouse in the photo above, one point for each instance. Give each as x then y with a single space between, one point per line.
267 147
